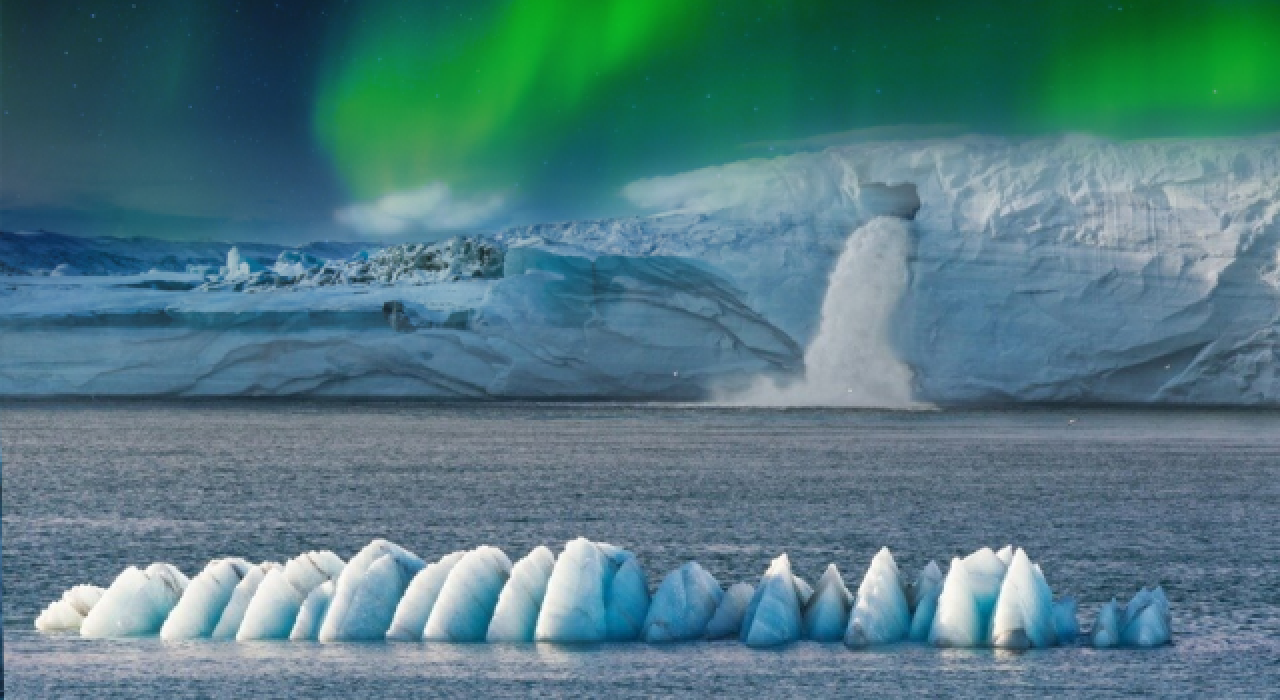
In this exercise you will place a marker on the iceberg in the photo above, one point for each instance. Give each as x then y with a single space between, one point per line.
1146 621
410 618
772 618
596 593
1065 623
233 613
826 614
683 605
368 591
68 612
958 620
880 615
516 615
465 605
306 628
1024 614
274 608
1106 627
197 613
726 623
924 602
136 604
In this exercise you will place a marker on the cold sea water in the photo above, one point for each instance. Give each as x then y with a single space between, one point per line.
1106 500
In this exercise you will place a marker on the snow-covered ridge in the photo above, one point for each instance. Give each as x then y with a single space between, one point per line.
459 258
597 592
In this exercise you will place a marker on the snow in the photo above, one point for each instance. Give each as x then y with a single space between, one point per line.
726 623
136 604
68 612
596 593
880 615
197 613
826 614
684 603
516 614
368 591
420 597
772 617
233 613
464 608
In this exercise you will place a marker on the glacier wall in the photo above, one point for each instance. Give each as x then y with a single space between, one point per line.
554 325
1063 269
1058 269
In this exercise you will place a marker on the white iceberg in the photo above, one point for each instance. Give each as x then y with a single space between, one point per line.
773 615
206 596
136 604
306 628
925 594
68 612
726 623
683 605
368 591
958 620
880 615
1147 621
419 598
233 614
827 613
516 615
1023 617
596 593
274 608
465 605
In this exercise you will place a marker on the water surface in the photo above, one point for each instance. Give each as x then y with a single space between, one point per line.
1107 503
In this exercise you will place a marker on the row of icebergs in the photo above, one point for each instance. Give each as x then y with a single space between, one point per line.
596 592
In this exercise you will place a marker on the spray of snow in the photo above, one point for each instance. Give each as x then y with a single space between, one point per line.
851 361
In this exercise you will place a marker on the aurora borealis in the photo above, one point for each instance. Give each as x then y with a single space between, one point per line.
244 120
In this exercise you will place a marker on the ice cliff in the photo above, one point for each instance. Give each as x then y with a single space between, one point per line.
956 271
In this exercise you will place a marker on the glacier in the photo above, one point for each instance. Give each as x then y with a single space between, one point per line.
593 592
956 271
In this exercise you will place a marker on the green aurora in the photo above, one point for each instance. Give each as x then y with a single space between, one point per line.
563 100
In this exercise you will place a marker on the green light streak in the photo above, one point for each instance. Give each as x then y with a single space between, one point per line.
411 105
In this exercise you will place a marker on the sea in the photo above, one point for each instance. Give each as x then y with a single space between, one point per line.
1105 500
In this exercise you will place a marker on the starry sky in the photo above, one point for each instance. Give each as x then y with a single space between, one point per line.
329 119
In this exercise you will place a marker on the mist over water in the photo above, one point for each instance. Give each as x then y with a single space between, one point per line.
851 361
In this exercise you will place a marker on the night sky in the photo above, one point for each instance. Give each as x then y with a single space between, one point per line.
310 119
